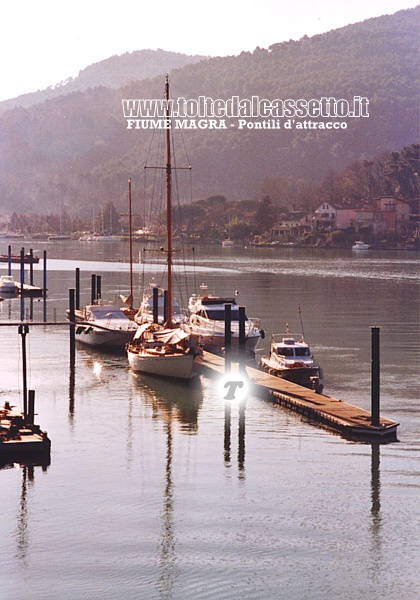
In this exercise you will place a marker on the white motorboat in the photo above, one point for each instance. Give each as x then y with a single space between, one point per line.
165 350
103 324
207 322
360 245
8 285
292 360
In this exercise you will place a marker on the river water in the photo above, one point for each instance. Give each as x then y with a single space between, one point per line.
159 490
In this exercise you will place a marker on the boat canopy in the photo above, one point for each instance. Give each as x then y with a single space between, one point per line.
166 336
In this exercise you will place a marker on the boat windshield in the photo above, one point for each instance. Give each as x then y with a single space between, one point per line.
218 314
302 351
285 351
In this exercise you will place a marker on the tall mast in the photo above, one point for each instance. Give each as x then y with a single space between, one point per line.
131 241
168 203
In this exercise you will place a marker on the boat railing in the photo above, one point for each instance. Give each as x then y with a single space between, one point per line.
295 338
210 326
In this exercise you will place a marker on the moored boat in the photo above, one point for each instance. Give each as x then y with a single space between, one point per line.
360 245
28 258
103 324
291 359
165 350
156 350
8 285
207 322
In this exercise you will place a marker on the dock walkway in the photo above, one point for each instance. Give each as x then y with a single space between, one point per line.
351 421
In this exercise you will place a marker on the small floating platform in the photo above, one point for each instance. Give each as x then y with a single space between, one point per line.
28 290
350 421
19 440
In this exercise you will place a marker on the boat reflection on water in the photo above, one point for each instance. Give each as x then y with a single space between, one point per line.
173 400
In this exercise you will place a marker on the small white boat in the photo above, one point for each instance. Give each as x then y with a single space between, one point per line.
292 360
227 242
360 245
8 285
104 325
207 322
163 352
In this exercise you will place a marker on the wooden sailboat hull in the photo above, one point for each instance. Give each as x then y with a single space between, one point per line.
176 366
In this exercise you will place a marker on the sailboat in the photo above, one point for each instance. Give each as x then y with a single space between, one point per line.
228 241
164 349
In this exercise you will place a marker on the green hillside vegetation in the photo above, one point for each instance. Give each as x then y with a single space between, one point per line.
216 217
75 150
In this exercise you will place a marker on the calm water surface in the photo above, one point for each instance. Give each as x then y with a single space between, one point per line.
162 491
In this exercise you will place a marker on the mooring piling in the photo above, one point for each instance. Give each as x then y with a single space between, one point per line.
228 337
93 289
98 287
30 419
375 378
22 266
155 305
31 266
242 319
165 305
77 288
23 331
9 260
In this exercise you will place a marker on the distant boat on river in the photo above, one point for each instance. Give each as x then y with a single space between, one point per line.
28 258
359 245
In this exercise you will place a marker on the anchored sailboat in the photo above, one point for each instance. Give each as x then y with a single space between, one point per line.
165 349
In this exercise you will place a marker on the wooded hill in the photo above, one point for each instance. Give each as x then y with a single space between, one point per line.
75 150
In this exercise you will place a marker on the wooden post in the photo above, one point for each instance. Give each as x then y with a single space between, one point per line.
93 290
22 267
45 274
166 307
155 305
98 287
9 260
23 331
31 266
242 319
44 285
72 328
77 288
31 408
228 337
375 377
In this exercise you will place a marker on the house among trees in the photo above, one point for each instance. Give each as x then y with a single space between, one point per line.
384 215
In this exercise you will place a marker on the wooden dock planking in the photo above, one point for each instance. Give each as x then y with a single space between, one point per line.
351 421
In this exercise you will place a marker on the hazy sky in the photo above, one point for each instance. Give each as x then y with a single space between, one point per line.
43 42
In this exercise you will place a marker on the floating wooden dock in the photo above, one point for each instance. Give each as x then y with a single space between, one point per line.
350 421
25 289
20 439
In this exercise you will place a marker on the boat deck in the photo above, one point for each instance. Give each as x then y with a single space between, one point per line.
351 421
